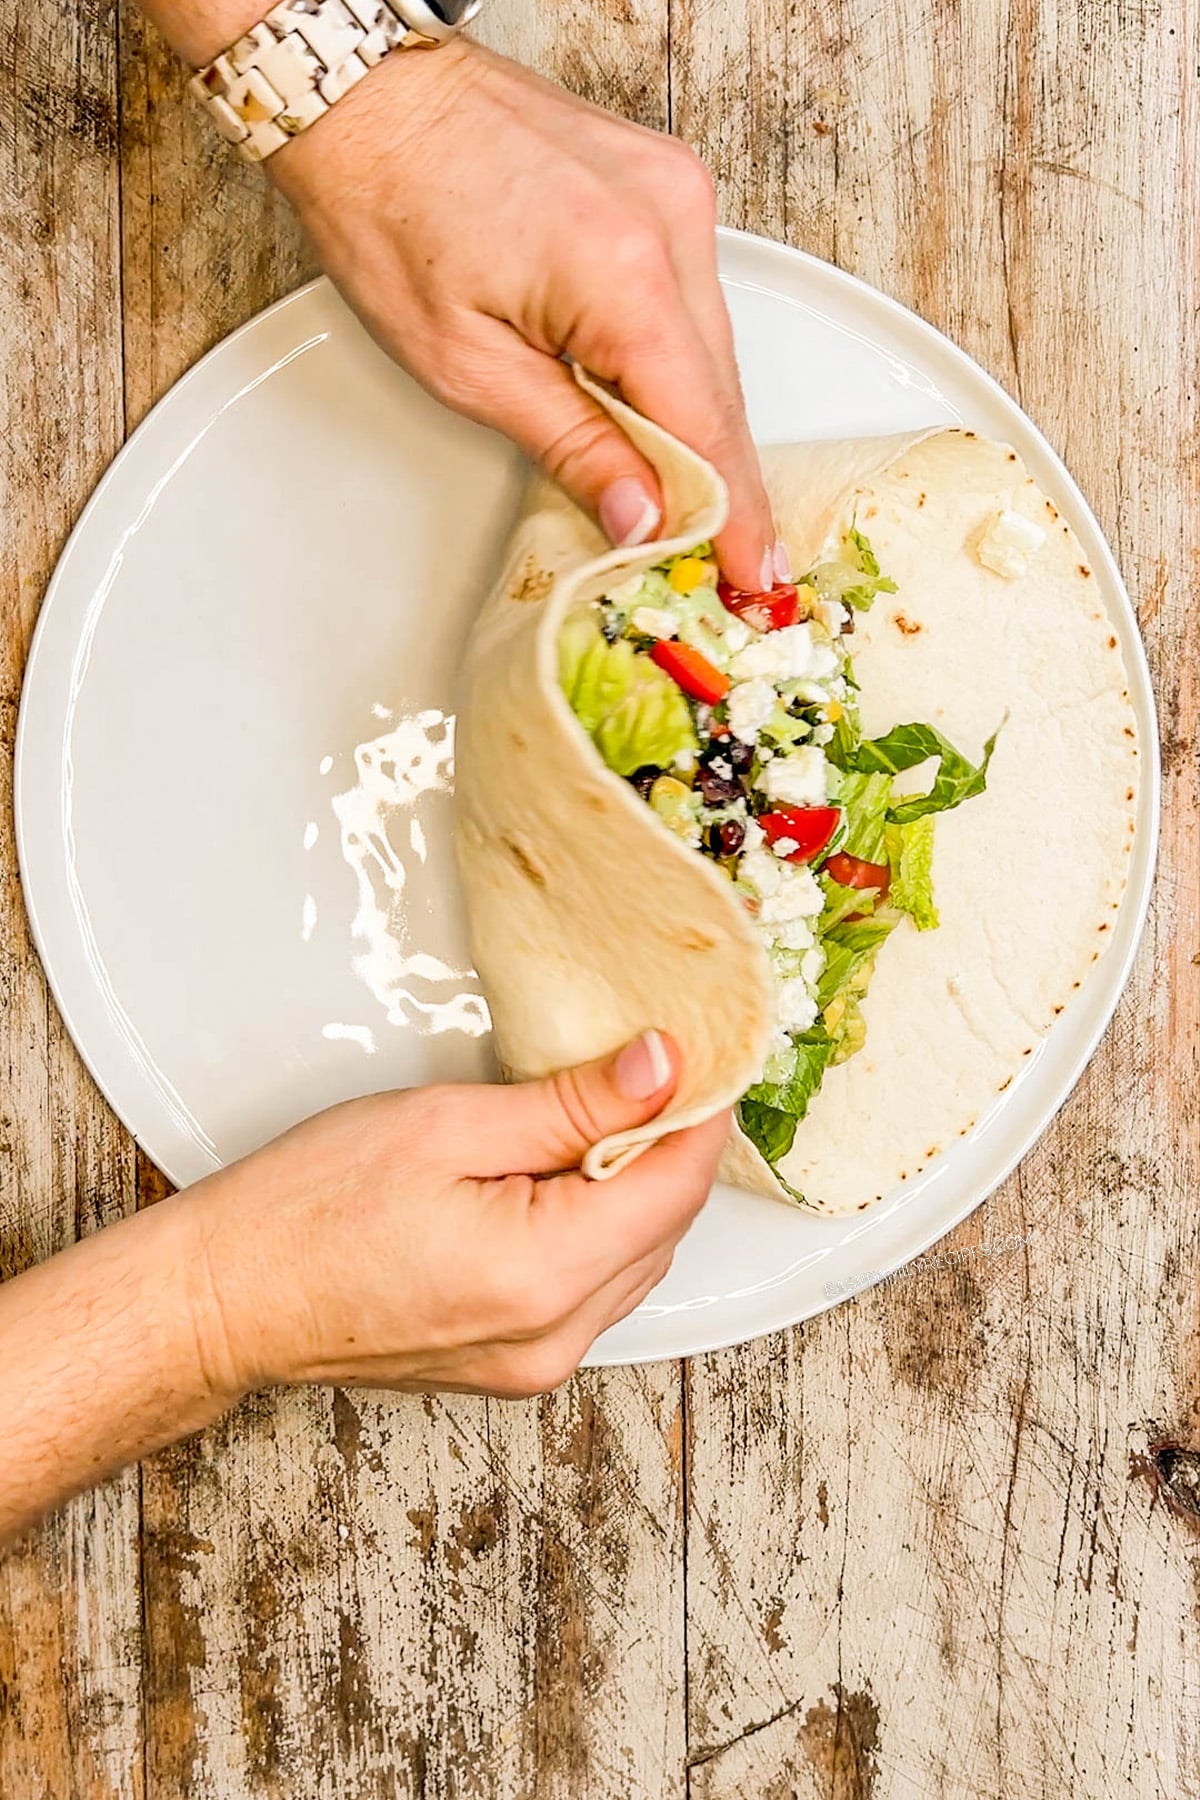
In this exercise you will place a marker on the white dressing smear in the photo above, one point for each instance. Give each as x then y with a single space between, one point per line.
388 821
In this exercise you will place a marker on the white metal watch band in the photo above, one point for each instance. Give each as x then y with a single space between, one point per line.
286 73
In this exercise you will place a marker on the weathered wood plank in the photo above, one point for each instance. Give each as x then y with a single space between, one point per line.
916 1560
366 1594
69 1598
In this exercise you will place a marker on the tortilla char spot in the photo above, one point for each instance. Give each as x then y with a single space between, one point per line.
1052 509
1007 1083
931 1152
1129 793
597 802
1129 731
1103 927
1057 1010
908 627
534 583
1012 456
968 434
1076 984
524 862
1084 570
696 940
1028 1052
923 498
1112 643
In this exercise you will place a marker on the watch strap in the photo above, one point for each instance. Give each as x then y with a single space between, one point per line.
283 75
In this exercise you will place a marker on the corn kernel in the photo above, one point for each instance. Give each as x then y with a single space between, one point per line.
808 598
688 574
833 711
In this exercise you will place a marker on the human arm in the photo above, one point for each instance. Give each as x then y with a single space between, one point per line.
409 1240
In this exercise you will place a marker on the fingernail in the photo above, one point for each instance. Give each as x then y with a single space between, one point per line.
627 513
782 561
766 575
643 1067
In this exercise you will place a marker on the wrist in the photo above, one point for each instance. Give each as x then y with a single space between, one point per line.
403 101
198 30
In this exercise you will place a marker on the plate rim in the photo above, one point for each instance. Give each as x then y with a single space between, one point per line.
1136 899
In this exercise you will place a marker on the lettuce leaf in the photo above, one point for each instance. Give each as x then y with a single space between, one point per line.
854 577
910 857
770 1111
848 948
905 746
864 799
636 715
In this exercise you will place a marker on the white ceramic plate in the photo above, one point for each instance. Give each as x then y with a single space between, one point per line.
233 760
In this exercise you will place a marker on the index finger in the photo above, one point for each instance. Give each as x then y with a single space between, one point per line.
691 388
598 1228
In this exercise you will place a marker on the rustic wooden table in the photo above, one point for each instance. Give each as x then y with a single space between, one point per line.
929 1545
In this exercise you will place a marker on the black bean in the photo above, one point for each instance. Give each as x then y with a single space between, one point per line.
611 625
741 756
725 838
717 789
643 779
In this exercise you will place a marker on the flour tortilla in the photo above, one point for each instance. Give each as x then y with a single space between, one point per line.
590 921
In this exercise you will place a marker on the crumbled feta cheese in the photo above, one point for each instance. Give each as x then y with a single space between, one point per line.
685 762
822 734
793 934
760 871
721 766
833 616
812 965
785 847
736 635
780 655
751 704
799 779
799 897
823 661
1009 545
797 1006
654 621
812 693
755 835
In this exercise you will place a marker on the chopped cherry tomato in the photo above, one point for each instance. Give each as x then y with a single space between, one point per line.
770 610
694 673
810 828
854 872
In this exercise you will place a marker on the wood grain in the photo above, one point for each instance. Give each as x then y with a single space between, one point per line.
943 1542
69 1597
372 1595
917 1561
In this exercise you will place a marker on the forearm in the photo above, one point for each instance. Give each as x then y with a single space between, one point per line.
107 1352
198 29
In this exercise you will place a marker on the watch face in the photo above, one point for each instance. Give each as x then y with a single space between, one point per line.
450 12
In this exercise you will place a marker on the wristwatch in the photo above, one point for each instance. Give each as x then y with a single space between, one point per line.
285 74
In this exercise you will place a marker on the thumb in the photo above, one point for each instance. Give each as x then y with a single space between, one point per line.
534 399
540 1127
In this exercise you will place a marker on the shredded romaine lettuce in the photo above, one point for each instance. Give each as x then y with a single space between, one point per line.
910 857
770 1111
904 747
864 799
